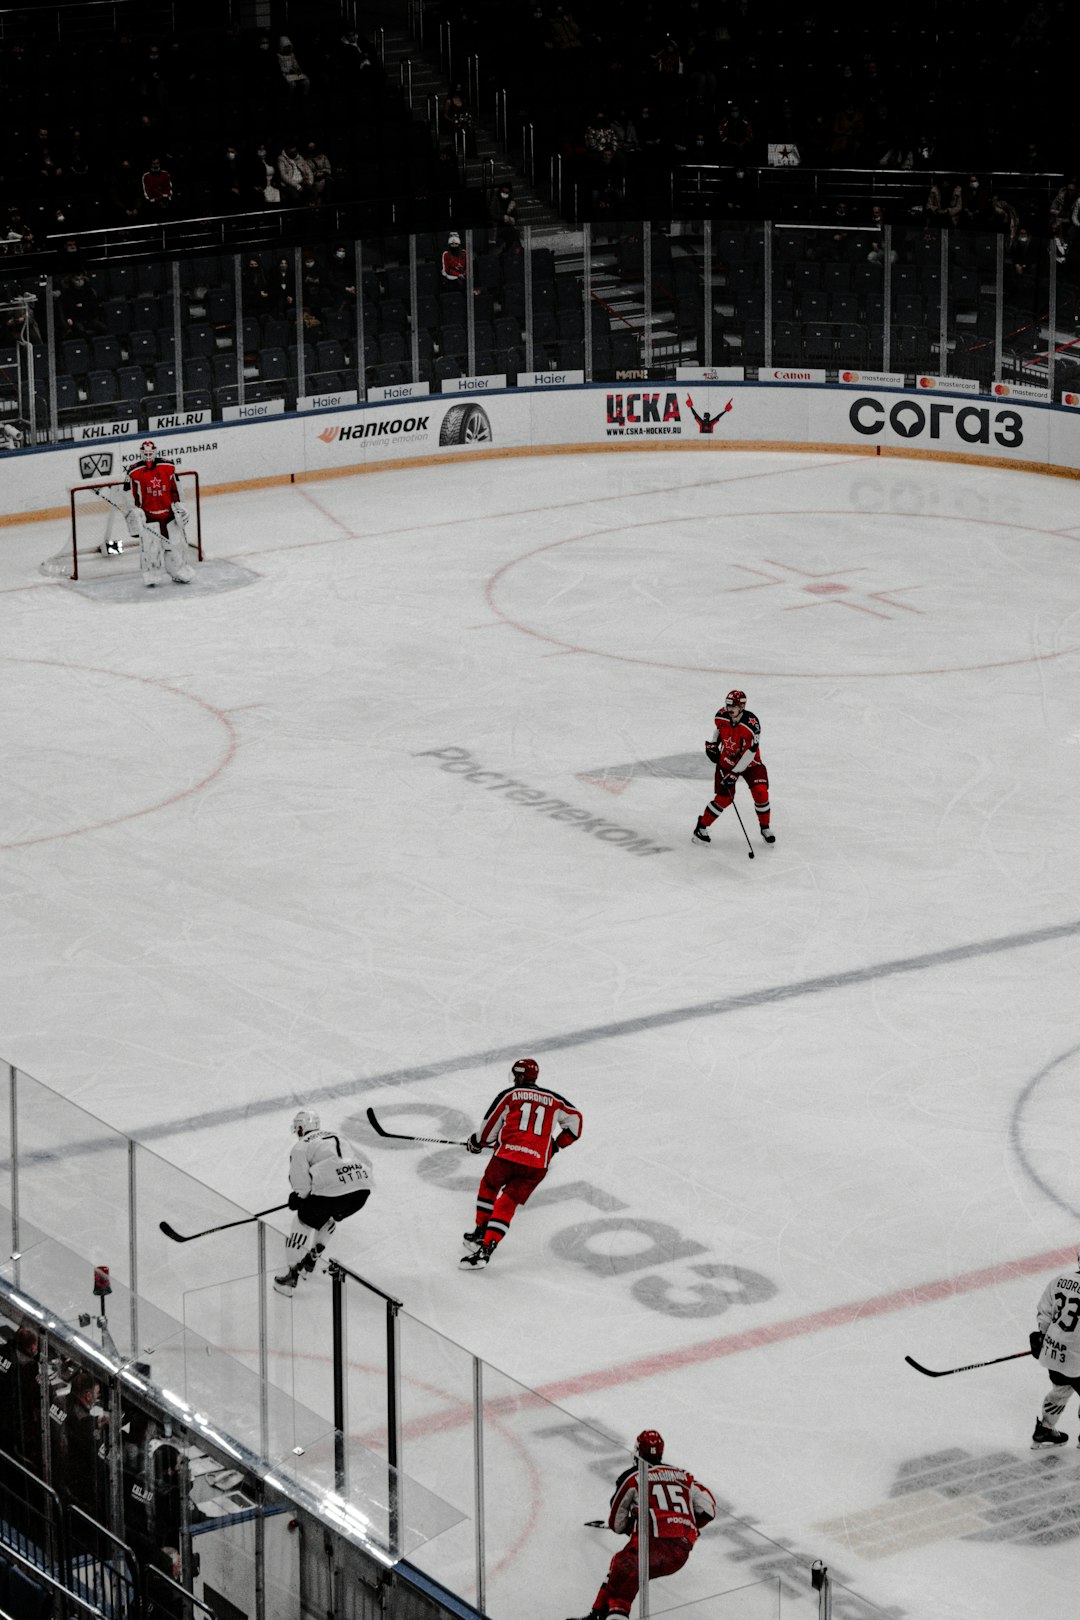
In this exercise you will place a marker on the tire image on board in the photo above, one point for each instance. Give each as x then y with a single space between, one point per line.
465 424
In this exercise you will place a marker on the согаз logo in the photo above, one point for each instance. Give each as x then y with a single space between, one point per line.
909 419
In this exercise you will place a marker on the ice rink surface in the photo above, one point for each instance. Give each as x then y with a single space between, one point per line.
417 798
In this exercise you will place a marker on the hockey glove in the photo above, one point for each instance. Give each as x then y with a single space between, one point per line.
726 786
294 1200
713 751
474 1144
1036 1342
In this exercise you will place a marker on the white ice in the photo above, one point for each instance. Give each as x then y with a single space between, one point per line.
237 876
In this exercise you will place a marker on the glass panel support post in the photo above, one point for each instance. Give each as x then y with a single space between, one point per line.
470 304
238 327
530 349
414 313
340 1353
133 1247
358 283
886 336
643 1537
298 294
178 337
999 305
478 1482
767 275
1051 315
943 330
646 266
50 359
586 296
264 1344
393 1425
13 1096
706 294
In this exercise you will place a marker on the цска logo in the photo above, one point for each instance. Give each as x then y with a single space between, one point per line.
98 464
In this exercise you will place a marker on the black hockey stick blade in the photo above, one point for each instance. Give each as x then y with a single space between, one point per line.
398 1136
596 1524
946 1372
180 1237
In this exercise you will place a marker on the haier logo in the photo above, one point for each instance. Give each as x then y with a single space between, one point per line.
974 424
96 466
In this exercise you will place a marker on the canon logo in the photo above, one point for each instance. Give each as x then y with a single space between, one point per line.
908 418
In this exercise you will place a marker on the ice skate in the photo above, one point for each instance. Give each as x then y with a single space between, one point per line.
1043 1435
769 837
183 576
285 1282
473 1239
700 834
479 1257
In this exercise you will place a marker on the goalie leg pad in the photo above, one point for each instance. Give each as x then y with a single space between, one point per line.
176 553
151 555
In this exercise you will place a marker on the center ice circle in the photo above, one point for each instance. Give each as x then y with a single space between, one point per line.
90 748
847 594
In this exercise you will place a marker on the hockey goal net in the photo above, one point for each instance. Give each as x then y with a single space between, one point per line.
99 534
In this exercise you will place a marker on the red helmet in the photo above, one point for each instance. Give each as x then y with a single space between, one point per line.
526 1070
650 1445
737 698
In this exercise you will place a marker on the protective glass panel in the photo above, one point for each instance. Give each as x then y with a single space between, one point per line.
760 1600
438 1443
167 1268
546 1475
73 1180
738 294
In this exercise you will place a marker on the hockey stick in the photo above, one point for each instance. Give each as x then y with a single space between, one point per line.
596 1524
101 495
946 1372
397 1136
178 1237
745 834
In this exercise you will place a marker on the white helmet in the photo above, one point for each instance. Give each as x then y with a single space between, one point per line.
305 1122
148 449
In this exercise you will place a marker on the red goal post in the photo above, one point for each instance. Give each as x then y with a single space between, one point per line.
95 520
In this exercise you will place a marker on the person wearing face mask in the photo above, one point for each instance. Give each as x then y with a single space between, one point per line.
295 79
1021 258
502 211
341 277
975 210
157 188
229 186
320 166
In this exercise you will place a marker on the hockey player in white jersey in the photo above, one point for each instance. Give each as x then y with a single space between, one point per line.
1055 1344
329 1181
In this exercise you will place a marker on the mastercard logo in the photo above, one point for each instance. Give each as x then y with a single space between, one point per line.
1070 399
927 382
849 376
1001 389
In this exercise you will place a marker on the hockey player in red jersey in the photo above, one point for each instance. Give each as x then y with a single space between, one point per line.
735 750
679 1507
157 518
525 1125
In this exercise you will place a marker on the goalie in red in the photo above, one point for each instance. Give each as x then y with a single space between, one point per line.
157 518
735 749
679 1507
525 1125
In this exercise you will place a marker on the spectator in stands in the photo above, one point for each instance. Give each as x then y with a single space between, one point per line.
458 121
262 177
341 278
312 287
454 261
975 204
80 307
229 188
84 1445
295 79
157 188
564 31
877 254
321 169
255 288
266 75
601 136
1022 257
20 1395
735 135
944 201
125 192
848 126
295 179
503 214
356 66
1064 204
925 147
900 155
282 287
1005 220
